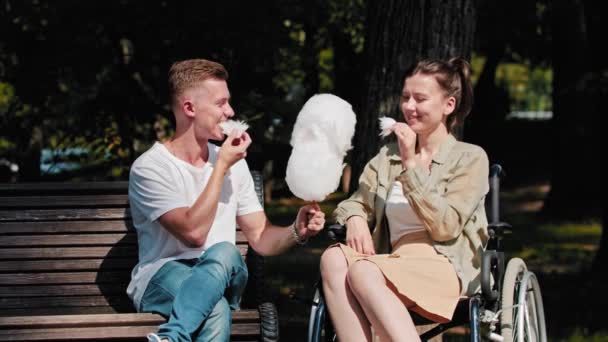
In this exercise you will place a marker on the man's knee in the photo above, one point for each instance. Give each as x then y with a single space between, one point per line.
226 257
163 287
225 253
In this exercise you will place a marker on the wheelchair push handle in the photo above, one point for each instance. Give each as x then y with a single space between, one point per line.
496 172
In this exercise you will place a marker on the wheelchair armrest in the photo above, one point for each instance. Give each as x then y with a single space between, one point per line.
492 267
498 229
337 232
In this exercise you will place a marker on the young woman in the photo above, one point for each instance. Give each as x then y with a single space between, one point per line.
423 198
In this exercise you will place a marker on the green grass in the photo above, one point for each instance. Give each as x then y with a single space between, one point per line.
580 336
557 246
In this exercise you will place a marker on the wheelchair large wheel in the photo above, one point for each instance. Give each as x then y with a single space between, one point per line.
522 312
319 324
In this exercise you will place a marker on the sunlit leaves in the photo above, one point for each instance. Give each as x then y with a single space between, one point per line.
7 96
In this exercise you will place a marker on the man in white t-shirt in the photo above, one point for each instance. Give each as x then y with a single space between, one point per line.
187 196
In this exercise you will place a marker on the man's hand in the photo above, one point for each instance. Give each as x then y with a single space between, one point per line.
358 236
310 220
233 149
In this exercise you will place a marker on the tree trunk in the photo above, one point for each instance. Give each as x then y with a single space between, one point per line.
29 158
491 104
580 69
314 16
596 28
574 191
398 33
347 69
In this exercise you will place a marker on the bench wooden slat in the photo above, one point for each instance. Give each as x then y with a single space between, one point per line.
77 252
63 301
68 240
66 311
121 313
65 214
69 265
62 321
67 334
66 252
62 278
102 333
12 189
117 288
77 201
116 226
119 239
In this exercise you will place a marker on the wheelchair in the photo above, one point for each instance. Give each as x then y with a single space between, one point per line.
508 308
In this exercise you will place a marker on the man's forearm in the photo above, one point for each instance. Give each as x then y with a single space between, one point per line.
201 214
274 240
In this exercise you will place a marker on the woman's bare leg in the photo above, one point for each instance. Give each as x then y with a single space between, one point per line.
382 306
346 314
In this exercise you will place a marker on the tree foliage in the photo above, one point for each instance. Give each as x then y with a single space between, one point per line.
92 76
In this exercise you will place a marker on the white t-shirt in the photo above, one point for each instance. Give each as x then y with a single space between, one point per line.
401 217
160 182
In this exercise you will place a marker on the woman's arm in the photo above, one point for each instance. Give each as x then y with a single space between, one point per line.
357 212
445 213
361 202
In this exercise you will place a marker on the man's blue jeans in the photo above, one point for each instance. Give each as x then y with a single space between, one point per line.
197 294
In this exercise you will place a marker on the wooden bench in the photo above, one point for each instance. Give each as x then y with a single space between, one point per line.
66 254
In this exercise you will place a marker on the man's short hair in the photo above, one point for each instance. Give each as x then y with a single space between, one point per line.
187 74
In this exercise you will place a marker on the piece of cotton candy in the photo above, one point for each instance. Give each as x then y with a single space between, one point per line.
231 125
320 139
386 125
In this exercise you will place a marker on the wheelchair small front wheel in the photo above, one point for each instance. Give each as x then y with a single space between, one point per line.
522 311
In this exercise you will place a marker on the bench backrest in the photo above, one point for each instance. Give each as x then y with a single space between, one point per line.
67 248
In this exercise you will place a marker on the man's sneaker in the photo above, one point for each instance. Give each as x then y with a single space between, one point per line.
153 338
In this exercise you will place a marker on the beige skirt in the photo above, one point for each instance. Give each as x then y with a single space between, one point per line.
424 280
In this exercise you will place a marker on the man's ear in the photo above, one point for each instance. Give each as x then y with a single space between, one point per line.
188 108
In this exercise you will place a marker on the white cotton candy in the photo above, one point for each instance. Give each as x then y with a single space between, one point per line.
230 125
320 139
386 124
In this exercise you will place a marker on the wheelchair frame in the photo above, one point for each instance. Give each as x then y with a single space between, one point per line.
521 313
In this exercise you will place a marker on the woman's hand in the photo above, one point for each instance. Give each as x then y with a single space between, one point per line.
406 138
358 236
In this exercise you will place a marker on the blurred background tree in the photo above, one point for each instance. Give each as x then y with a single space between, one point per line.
88 81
